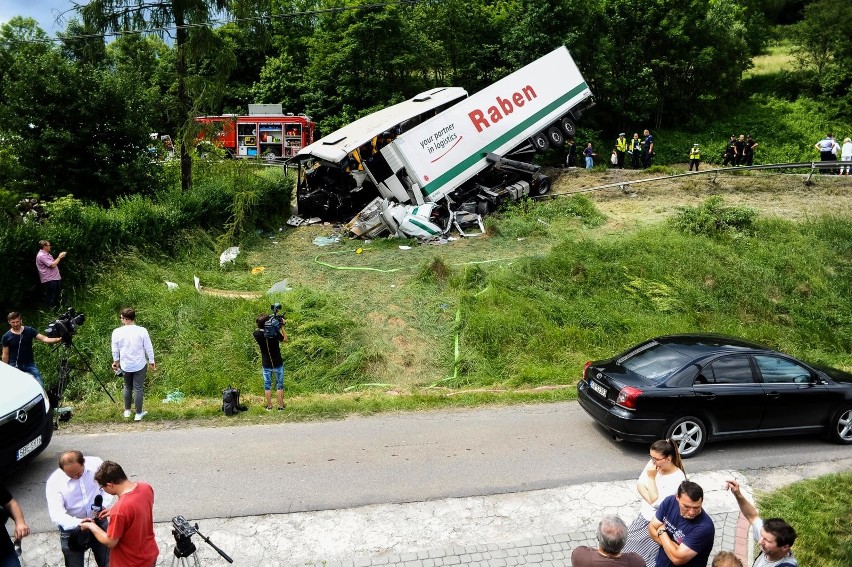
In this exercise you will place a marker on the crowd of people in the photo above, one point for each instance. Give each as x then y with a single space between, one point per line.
95 507
640 150
673 529
739 151
829 150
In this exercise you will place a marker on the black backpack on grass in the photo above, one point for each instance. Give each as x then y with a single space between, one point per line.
231 401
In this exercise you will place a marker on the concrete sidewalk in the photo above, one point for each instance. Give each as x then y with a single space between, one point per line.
526 528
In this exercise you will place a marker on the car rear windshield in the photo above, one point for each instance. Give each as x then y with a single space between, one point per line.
655 362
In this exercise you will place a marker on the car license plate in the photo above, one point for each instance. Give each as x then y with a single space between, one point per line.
29 447
598 388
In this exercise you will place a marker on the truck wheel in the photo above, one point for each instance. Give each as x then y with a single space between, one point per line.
555 137
540 142
568 127
542 186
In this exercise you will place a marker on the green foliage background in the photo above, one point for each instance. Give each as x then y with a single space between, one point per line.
227 198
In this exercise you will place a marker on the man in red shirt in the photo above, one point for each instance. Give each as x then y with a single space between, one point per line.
130 534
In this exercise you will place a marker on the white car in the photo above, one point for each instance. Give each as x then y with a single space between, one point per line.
26 424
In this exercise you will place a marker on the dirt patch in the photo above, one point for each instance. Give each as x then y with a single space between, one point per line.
774 195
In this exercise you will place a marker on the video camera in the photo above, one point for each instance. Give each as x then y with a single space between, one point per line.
183 532
272 327
65 325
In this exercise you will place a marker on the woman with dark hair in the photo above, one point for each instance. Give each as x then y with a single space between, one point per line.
659 479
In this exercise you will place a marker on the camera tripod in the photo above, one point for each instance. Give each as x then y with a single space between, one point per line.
185 553
64 376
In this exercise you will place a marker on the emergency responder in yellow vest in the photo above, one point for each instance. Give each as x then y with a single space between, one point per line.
635 150
620 148
694 157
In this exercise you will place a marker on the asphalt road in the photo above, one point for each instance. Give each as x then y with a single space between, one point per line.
235 471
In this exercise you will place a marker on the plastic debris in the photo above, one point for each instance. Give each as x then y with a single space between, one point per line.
174 397
359 250
171 285
405 247
229 255
257 270
326 240
279 287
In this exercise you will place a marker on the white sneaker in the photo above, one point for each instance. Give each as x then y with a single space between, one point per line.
126 413
139 416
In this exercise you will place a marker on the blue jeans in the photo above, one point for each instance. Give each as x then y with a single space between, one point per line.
11 559
590 163
267 377
31 369
78 558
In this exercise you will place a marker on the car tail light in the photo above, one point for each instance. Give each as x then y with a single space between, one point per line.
627 397
586 369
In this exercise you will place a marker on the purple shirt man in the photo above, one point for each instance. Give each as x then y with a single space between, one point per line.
48 274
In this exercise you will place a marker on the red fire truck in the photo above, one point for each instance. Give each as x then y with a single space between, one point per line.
265 132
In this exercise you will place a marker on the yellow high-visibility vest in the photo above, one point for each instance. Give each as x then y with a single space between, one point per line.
621 144
695 153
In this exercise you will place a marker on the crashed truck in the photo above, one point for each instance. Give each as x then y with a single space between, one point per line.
442 160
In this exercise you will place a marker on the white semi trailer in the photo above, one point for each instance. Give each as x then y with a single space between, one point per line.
475 154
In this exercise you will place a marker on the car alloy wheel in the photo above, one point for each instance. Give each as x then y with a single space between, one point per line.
689 434
842 426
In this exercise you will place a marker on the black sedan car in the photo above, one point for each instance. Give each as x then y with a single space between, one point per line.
699 388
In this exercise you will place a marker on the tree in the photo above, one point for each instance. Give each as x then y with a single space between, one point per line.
192 37
821 36
73 127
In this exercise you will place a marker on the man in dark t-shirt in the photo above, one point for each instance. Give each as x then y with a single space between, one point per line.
683 529
270 360
612 534
18 345
739 148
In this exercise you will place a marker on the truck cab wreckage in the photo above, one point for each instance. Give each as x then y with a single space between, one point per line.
442 160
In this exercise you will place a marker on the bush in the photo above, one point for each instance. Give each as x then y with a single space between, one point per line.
712 218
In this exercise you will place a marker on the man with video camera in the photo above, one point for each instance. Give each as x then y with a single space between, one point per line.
269 334
130 535
18 345
72 496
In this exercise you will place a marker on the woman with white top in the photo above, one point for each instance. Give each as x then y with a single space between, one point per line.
846 156
659 479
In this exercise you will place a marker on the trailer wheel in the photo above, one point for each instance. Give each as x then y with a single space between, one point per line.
555 137
540 142
542 186
568 126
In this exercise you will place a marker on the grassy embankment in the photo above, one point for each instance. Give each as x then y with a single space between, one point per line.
553 284
821 512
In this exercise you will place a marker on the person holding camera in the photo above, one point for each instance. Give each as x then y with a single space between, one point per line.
131 347
18 345
72 496
48 274
130 534
269 337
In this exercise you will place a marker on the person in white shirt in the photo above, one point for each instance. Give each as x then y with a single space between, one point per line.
131 348
71 491
846 156
774 536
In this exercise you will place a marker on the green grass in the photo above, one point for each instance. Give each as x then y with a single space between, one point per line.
778 57
532 309
821 512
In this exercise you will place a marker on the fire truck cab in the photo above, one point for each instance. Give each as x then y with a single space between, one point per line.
266 132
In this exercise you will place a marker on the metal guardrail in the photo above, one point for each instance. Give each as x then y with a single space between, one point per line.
813 166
